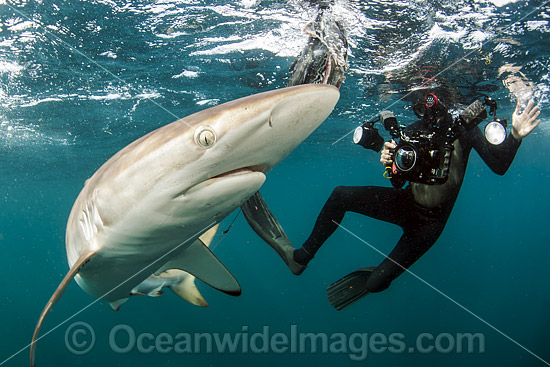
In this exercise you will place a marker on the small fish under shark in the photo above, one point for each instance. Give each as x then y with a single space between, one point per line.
141 216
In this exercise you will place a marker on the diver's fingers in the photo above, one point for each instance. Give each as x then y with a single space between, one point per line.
518 107
534 113
389 145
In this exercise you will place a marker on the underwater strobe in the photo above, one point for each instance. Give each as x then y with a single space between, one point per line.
423 155
495 131
368 137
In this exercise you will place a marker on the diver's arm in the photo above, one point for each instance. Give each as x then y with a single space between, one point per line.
500 157
497 157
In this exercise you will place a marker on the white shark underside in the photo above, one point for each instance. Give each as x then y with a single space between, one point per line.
142 211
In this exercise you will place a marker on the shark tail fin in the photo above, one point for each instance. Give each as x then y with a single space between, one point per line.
77 266
186 288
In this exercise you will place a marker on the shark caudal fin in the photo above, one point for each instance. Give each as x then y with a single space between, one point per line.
77 266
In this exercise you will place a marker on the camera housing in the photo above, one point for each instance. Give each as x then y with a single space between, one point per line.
423 155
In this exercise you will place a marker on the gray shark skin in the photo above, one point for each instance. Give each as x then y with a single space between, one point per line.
142 212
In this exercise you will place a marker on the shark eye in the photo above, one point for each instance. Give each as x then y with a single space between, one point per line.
205 137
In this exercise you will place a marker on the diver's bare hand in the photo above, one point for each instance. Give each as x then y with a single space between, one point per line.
524 123
385 155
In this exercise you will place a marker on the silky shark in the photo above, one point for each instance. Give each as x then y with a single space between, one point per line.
142 214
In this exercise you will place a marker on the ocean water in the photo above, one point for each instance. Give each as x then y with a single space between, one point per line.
80 80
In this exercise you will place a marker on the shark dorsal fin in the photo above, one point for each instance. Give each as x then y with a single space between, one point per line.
75 269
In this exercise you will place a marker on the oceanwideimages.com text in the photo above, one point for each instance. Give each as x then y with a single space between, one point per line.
80 339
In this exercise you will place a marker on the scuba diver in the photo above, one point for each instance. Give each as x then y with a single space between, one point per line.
422 207
432 155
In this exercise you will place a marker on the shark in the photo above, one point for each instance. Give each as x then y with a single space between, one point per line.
142 220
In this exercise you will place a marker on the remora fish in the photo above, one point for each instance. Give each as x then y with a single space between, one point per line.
142 211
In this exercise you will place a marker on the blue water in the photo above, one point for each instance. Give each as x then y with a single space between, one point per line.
80 80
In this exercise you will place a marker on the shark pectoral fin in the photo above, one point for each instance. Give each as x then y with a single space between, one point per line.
198 260
77 267
208 236
186 288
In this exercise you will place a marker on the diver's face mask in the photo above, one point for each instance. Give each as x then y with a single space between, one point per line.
433 114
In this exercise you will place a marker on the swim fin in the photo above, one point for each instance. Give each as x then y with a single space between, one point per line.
350 288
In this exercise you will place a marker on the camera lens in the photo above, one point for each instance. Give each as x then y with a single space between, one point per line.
405 158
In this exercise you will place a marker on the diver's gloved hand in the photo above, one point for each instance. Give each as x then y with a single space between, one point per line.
385 154
524 123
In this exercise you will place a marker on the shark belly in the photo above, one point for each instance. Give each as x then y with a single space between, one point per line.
145 240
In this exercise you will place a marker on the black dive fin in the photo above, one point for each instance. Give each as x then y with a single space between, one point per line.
350 288
263 222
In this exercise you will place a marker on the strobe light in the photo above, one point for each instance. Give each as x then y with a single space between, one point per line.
495 131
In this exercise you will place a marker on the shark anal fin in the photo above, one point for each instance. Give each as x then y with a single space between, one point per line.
262 220
77 266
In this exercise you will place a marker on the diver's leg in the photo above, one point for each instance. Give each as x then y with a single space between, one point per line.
418 237
382 203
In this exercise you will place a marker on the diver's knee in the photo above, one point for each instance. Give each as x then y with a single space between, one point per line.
338 193
377 283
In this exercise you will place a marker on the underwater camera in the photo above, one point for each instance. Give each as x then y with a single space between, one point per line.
424 155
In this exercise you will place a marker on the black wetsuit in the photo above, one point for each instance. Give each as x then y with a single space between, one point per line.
421 210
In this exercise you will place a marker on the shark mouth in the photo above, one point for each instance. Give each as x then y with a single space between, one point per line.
241 171
237 176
